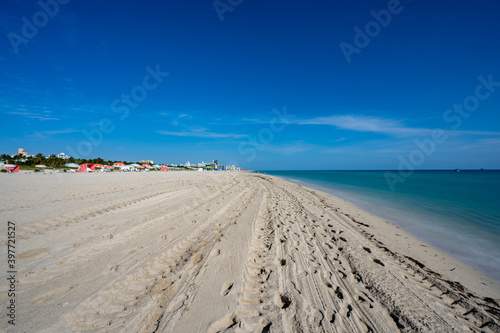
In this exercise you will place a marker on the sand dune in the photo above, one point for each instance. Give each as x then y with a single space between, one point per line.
216 252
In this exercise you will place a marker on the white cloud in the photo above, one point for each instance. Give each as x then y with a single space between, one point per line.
365 124
31 115
289 148
201 133
386 126
45 134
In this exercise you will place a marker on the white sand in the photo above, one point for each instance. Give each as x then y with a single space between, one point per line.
223 251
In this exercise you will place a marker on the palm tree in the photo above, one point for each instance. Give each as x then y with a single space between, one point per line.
17 158
39 158
52 160
30 161
99 160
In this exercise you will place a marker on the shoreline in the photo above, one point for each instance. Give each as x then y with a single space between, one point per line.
430 256
401 219
154 251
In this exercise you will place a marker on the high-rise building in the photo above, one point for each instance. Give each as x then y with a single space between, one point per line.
63 156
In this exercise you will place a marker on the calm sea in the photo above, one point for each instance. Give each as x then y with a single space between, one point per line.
458 212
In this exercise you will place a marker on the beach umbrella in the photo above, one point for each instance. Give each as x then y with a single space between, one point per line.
40 166
108 167
98 166
71 165
118 164
156 166
164 168
146 165
88 167
135 165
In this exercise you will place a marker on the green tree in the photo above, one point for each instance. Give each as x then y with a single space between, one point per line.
98 160
30 161
52 160
39 158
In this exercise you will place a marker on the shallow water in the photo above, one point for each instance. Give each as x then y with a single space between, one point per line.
458 212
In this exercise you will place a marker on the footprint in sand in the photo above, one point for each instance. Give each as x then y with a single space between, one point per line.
226 288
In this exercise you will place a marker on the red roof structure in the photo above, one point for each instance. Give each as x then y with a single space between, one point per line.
11 167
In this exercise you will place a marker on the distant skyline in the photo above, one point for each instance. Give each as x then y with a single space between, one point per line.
281 85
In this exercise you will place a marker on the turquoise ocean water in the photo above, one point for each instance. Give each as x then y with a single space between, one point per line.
458 212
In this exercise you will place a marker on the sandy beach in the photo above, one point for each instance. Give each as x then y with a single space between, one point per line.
222 251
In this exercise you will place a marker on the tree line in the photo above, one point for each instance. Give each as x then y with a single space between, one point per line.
52 160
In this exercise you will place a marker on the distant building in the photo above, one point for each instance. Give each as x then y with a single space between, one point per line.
146 162
21 151
188 165
63 156
201 165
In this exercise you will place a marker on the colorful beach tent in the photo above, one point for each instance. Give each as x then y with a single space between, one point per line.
88 167
118 164
11 167
164 168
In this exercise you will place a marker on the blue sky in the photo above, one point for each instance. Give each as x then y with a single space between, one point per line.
268 86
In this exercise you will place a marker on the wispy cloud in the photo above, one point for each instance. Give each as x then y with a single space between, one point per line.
45 134
387 126
201 133
176 119
364 124
290 148
489 144
33 115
